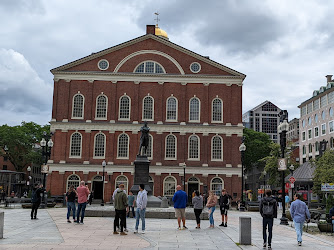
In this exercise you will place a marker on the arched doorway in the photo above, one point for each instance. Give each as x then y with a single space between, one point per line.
193 184
97 187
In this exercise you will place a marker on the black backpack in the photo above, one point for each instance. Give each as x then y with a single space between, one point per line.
268 208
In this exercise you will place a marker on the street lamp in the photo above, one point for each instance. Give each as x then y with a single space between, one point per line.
184 176
264 182
292 168
283 128
242 150
46 152
103 166
29 178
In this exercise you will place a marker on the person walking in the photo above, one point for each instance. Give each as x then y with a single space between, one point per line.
197 202
224 204
268 211
120 204
70 200
37 191
131 205
141 208
82 192
299 212
331 216
287 201
180 202
211 205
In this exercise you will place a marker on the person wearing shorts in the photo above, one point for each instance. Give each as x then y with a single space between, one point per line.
180 202
224 203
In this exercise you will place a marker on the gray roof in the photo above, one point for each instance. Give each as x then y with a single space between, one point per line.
304 173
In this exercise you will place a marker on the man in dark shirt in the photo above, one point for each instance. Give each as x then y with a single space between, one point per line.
268 210
224 203
36 199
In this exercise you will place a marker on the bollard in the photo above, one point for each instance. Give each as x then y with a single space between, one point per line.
245 231
2 220
164 202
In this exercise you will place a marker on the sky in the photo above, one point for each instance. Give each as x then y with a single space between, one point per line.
286 48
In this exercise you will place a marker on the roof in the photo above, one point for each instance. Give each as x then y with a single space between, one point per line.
304 173
260 105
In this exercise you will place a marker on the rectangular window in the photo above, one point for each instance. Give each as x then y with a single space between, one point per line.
303 136
331 126
303 111
309 108
323 129
310 134
331 97
316 105
323 101
316 131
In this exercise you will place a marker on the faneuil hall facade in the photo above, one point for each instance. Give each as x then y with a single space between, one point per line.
192 104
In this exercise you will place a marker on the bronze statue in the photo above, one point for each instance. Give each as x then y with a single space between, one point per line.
144 138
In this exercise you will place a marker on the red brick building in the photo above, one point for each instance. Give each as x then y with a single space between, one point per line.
193 106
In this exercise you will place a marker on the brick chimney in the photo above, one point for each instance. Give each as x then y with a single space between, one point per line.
329 78
150 29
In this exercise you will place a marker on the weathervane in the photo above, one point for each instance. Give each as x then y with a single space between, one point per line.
157 19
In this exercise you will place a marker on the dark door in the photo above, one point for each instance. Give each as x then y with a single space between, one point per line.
97 187
191 188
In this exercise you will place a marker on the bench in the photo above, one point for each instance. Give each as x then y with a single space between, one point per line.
253 206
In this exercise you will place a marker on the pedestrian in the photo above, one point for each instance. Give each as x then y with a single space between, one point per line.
117 221
279 200
70 200
37 191
91 197
224 204
131 205
211 205
180 202
299 212
268 211
141 208
331 216
83 193
287 201
197 202
120 204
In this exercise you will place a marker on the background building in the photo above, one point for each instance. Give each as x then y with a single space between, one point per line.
193 106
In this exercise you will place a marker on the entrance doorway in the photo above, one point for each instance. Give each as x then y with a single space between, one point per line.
97 187
192 186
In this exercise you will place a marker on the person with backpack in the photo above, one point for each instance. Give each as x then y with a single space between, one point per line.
224 203
268 211
36 200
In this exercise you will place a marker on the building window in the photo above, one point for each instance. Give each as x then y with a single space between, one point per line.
309 107
304 150
309 121
78 106
73 180
303 136
323 129
194 110
123 146
316 105
303 123
99 149
124 108
151 183
217 148
101 107
269 125
316 146
217 110
269 107
149 151
303 111
217 185
310 148
323 101
309 134
331 112
316 118
331 97
103 64
331 126
4 167
150 67
76 141
148 108
170 147
316 132
331 142
121 179
195 67
323 115
193 145
171 112
169 186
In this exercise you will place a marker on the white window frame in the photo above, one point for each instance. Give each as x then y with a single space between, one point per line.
222 113
177 105
309 137
128 149
104 148
119 108
199 109
315 134
221 145
324 124
151 119
329 127
144 62
83 106
98 64
96 105
68 179
170 158
217 191
164 186
199 148
126 185
71 139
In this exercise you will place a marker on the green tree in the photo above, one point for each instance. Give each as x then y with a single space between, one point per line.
20 141
324 170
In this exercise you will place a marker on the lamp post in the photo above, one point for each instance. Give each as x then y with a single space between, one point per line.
264 182
283 127
242 150
184 176
46 144
292 168
103 166
29 178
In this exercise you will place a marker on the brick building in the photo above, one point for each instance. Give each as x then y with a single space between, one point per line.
193 106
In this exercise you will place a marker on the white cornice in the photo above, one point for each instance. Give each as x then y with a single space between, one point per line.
161 128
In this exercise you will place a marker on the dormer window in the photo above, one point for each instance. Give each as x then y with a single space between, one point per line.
150 67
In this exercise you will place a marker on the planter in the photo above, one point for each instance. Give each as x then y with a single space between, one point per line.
325 227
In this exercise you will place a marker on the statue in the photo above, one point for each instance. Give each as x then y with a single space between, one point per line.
144 138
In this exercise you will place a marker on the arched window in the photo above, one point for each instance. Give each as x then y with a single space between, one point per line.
217 148
310 148
99 142
73 180
170 152
123 146
124 108
169 186
121 179
304 150
193 147
330 111
148 108
194 110
78 106
217 110
150 67
101 107
171 109
316 146
76 141
217 185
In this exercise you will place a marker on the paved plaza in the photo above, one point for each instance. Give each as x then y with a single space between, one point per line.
51 231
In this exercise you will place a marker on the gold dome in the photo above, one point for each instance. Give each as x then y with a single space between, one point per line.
161 32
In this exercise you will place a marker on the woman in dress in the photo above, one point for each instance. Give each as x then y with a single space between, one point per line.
211 205
197 202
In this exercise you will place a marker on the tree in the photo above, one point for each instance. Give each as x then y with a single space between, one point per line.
324 170
20 141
